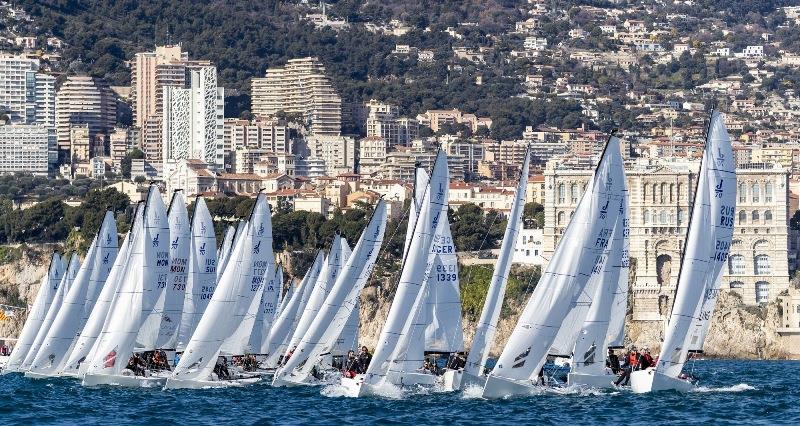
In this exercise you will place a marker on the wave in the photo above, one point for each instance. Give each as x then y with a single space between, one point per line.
741 387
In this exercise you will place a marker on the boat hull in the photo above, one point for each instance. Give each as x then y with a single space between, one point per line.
124 380
454 380
209 384
411 379
649 380
354 387
591 380
499 387
34 375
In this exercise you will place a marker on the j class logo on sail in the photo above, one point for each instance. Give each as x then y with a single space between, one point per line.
108 239
599 262
203 231
211 265
202 249
609 184
446 273
257 248
720 158
260 230
206 291
440 193
105 258
602 238
435 221
718 190
175 243
622 206
604 210
721 251
726 214
155 240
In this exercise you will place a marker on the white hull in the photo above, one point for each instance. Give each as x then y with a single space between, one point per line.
592 380
454 380
650 381
411 379
498 387
32 375
287 382
124 380
209 384
354 387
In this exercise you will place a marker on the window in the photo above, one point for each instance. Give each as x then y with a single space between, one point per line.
768 216
680 189
561 193
560 219
644 192
756 217
646 217
736 284
573 193
671 192
762 292
680 217
653 195
762 266
663 217
736 265
768 192
663 192
742 217
742 193
754 192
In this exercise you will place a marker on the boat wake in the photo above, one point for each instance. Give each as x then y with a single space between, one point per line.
472 392
741 387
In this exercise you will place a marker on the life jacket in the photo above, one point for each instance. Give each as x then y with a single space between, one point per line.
633 359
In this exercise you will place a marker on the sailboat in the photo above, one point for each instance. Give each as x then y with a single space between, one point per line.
146 274
398 355
579 255
342 298
202 273
705 254
281 332
80 299
241 282
37 315
73 266
82 350
270 298
473 373
160 328
595 335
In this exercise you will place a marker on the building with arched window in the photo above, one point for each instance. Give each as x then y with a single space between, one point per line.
759 252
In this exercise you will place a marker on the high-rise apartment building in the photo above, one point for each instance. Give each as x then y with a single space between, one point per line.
381 122
27 148
300 87
26 95
83 100
167 66
193 120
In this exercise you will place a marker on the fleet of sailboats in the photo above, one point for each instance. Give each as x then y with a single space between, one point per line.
168 290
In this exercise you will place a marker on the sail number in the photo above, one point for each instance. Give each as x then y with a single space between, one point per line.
726 216
206 292
721 251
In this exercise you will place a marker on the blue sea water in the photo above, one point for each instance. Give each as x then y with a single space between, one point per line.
730 392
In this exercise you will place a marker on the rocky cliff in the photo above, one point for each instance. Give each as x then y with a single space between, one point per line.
737 330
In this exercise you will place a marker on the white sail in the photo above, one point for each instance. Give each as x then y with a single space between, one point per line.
145 277
38 313
107 248
285 298
619 304
339 305
577 256
564 341
412 277
225 249
340 252
240 282
266 311
706 251
175 292
442 301
202 274
82 349
348 339
64 285
67 323
487 324
287 320
421 179
592 340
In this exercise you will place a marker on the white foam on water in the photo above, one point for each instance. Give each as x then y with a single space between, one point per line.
334 390
741 387
472 392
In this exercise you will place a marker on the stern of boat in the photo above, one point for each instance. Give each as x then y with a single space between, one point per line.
591 380
451 380
499 387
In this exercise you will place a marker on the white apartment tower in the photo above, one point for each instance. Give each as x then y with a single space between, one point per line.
382 122
26 95
193 120
83 100
300 87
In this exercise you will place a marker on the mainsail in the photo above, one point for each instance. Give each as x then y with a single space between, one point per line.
259 338
578 255
487 324
202 274
706 251
38 312
226 248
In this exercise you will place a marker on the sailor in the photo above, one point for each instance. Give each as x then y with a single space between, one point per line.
644 360
136 364
633 359
612 361
351 365
221 368
456 361
364 358
427 368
